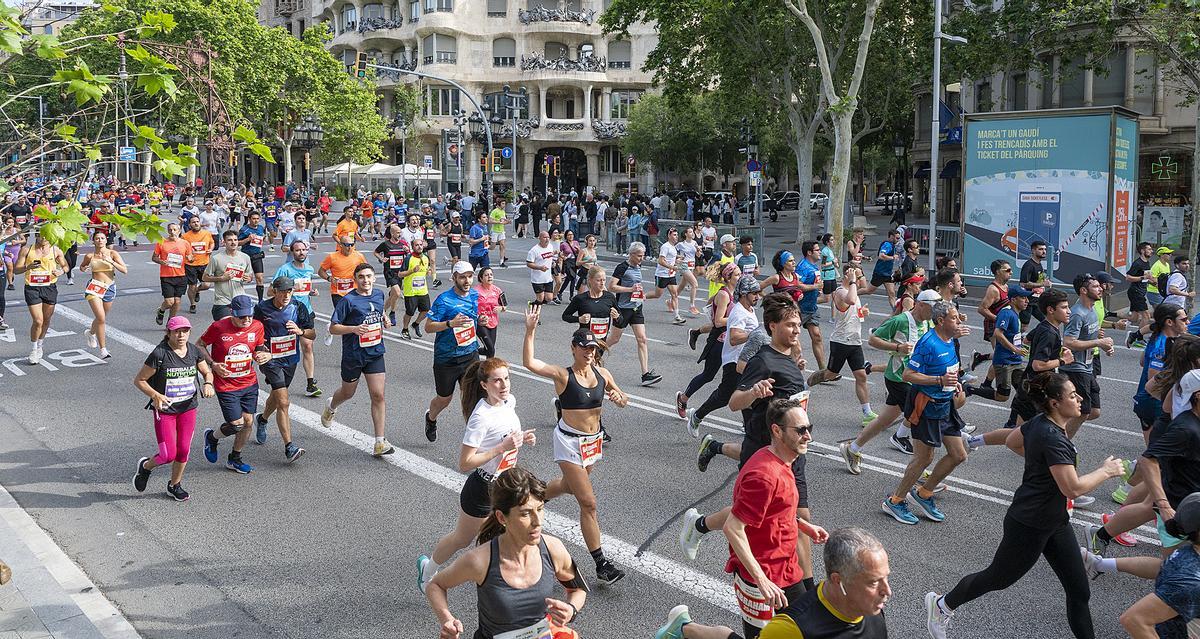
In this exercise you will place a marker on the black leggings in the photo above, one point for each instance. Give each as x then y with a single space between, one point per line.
569 279
1019 550
720 397
712 363
72 258
3 287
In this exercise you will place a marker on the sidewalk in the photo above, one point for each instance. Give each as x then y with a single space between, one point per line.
49 597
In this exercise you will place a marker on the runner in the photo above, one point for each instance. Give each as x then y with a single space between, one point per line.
490 446
1037 522
829 271
286 321
170 254
788 280
665 277
1177 284
498 219
1081 334
845 342
720 306
626 282
454 232
42 265
286 224
228 271
358 317
479 256
512 550
104 263
271 210
202 244
492 302
739 323
235 343
578 442
885 266
1046 351
708 241
1138 278
539 260
168 378
301 231
301 273
995 297
251 238
391 253
1008 359
347 225
452 318
1033 278
414 275
339 268
687 267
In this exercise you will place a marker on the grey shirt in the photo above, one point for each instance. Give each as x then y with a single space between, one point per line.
1083 326
754 343
219 263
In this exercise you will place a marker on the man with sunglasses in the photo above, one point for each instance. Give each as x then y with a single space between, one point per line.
994 299
338 269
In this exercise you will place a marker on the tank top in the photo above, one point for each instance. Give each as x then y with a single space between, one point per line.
587 257
791 287
899 308
578 397
41 268
100 265
718 334
989 325
503 608
847 325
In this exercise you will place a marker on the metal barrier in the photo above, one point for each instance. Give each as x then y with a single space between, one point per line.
947 239
755 233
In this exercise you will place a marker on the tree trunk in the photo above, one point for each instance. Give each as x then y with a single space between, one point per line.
802 147
287 162
146 167
843 132
1195 234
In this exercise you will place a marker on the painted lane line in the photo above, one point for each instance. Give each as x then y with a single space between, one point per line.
1110 429
648 338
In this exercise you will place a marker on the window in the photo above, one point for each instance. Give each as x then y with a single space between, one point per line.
1143 84
555 50
620 54
497 8
504 52
497 102
441 101
375 56
983 97
348 58
1018 92
439 48
1047 86
414 10
438 5
610 160
48 29
373 10
1070 85
1108 80
349 17
570 105
622 102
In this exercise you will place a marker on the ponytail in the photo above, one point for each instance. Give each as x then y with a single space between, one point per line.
1163 313
511 489
471 386
1044 387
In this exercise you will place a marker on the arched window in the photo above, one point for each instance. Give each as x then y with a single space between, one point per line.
555 50
349 18
620 54
504 52
438 48
373 10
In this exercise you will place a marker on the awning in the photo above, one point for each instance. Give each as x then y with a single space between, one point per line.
922 172
952 169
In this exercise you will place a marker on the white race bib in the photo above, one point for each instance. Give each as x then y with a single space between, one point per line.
539 630
508 459
418 282
180 388
283 346
38 278
97 288
256 240
591 449
638 295
303 286
752 603
395 261
464 335
238 365
373 336
199 248
953 368
174 260
600 327
342 285
235 272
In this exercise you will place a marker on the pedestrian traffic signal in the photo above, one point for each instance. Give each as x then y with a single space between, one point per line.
360 65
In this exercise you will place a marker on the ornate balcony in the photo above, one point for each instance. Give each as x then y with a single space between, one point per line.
378 24
504 131
542 14
609 129
588 62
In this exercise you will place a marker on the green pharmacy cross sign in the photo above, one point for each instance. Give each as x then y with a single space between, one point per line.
1164 168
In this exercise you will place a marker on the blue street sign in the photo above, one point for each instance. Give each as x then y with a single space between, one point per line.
753 165
506 152
127 154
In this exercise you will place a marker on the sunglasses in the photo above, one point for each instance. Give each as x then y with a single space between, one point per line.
800 430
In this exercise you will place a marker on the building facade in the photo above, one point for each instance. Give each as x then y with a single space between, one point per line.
580 83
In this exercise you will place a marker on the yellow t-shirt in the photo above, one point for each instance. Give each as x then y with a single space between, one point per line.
1156 269
416 283
715 285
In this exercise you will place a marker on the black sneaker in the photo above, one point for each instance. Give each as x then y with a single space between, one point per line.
1128 336
558 301
608 573
404 334
709 449
604 433
292 452
177 492
312 390
902 444
693 335
192 309
978 358
158 319
430 428
416 327
437 283
141 476
651 378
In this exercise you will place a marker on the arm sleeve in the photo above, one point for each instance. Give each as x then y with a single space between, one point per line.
304 317
619 271
1027 272
570 314
473 435
436 311
887 330
155 358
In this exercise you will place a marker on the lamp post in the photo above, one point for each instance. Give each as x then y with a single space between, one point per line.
480 126
460 121
515 103
400 127
308 136
935 130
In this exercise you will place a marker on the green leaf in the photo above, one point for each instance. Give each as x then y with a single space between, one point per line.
261 150
92 153
10 42
85 91
66 132
138 53
157 22
243 134
5 187
48 47
183 149
110 8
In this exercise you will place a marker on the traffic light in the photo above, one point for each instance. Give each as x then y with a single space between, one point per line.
233 158
360 65
483 163
554 163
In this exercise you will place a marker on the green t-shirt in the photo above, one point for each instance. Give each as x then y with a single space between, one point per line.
902 328
497 218
1158 268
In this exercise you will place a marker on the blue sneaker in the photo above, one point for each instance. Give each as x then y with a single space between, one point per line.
424 575
210 446
237 465
927 506
260 429
900 512
675 621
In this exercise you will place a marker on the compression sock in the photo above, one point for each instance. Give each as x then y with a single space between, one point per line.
702 526
311 381
227 429
597 555
258 288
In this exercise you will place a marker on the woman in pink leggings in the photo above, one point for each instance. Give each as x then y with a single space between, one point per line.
169 378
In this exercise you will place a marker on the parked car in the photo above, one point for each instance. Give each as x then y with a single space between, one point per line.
677 195
786 200
770 208
817 200
891 198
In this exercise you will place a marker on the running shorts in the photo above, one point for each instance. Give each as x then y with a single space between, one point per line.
47 294
475 499
930 430
1088 389
629 316
109 295
352 371
479 261
897 392
663 282
173 286
840 354
449 373
498 237
1137 302
392 278
234 404
829 286
278 376
810 319
193 274
879 279
544 287
571 446
256 263
415 304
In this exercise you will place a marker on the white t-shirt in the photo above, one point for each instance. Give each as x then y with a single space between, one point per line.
739 318
669 254
708 236
211 222
408 235
601 209
489 425
1180 282
687 253
541 256
287 221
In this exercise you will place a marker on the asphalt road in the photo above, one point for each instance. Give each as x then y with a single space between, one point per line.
327 546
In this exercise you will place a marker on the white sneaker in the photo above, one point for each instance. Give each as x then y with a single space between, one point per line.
693 423
35 355
689 537
92 342
328 413
329 339
104 354
1083 501
936 621
1091 562
424 575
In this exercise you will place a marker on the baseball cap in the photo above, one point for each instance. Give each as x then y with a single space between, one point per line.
584 338
177 322
1164 250
242 306
728 238
283 283
929 295
1016 290
1189 383
1187 515
462 267
1104 278
746 284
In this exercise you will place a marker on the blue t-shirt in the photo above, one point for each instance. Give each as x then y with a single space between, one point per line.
446 344
884 267
1178 585
357 309
297 234
248 248
807 272
478 249
932 356
1009 323
284 345
1154 357
1194 325
306 271
271 211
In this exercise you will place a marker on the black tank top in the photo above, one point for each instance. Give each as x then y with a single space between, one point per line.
578 397
503 608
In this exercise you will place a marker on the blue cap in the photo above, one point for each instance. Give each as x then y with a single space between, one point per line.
242 306
1016 290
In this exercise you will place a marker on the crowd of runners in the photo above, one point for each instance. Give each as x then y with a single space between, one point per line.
1041 351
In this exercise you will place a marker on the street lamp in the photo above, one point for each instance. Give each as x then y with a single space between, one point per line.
477 123
935 130
460 121
515 103
308 135
898 149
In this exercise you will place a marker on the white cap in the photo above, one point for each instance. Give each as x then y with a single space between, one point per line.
1190 383
929 295
462 266
728 238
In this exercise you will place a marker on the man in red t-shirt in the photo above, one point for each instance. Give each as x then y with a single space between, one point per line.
763 527
235 343
171 254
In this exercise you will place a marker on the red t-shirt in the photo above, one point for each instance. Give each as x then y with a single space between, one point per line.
764 497
234 348
280 192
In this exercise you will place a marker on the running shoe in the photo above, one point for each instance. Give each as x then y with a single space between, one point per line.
1121 493
557 302
312 390
604 432
260 429
678 321
853 459
927 506
11 287
504 263
868 418
416 327
210 446
70 281
937 621
968 378
392 317
900 512
924 476
92 342
141 476
328 413
675 621
328 339
437 283
1094 542
236 464
292 452
693 422
1139 343
192 309
693 335
651 378
1091 562
4 325
978 358
680 405
902 444
969 429
383 448
1129 337
104 354
158 318
693 310
35 355
423 579
176 491
404 334
709 449
430 428
608 573
689 537
1083 501
1125 539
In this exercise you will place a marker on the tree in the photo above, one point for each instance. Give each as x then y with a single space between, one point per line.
680 133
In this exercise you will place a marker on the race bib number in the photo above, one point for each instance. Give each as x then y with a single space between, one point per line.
342 285
429 234
591 449
539 630
464 335
21 220
395 262
748 269
303 286
284 346
600 327
487 242
256 240
638 294
691 264
373 336
39 278
752 603
180 388
235 272
199 248
238 364
863 312
97 288
455 238
418 282
953 368
1018 340
175 260
508 459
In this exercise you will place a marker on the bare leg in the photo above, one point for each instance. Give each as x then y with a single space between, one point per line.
437 405
463 534
639 333
343 393
177 472
577 481
956 453
922 456
818 345
378 402
888 415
